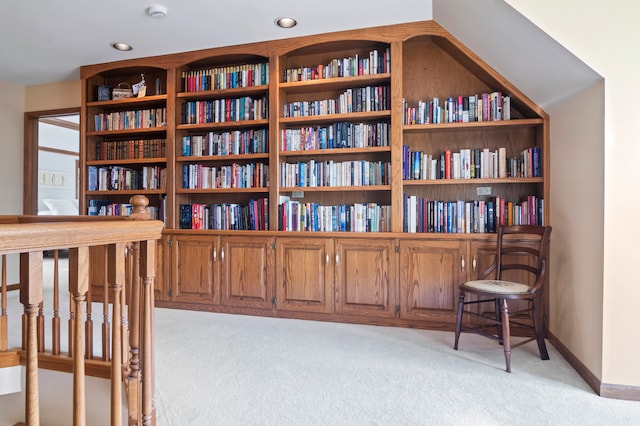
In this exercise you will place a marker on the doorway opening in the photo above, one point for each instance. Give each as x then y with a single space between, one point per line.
52 158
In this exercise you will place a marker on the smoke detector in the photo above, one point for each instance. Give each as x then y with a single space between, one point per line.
157 11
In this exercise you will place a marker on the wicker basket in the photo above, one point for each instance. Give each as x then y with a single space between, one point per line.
123 91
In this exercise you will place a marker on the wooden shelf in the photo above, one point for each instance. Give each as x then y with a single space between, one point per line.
326 84
223 125
409 128
223 158
492 181
223 93
131 161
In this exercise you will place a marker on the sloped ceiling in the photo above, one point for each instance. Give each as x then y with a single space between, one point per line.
525 55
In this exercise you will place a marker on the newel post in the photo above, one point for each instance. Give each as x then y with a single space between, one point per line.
141 319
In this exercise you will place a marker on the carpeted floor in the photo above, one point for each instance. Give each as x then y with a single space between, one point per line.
221 369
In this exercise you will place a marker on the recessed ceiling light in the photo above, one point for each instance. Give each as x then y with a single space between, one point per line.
121 46
157 11
286 22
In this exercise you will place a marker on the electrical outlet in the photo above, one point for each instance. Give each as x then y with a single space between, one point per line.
483 190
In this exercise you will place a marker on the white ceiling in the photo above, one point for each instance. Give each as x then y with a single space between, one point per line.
43 41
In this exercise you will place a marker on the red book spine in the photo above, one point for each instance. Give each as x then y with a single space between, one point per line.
447 164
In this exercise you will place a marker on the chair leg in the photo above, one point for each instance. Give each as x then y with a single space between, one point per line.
498 318
459 319
538 325
506 333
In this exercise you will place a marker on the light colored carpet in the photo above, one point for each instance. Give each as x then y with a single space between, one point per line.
222 369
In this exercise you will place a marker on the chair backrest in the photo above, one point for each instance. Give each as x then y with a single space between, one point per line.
523 248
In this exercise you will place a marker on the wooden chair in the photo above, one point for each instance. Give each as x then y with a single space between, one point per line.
521 269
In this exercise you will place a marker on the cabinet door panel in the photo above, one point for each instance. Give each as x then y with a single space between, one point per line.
193 269
159 291
431 273
304 278
365 277
247 268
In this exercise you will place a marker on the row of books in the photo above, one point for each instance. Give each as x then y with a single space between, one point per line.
226 216
114 178
333 173
124 120
376 62
225 110
358 217
361 99
236 142
336 135
131 149
200 176
492 106
470 164
228 77
477 216
97 207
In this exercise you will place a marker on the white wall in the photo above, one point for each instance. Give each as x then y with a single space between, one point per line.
11 122
606 36
577 216
11 136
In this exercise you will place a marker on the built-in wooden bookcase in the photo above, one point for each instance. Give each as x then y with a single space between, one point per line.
317 96
433 68
334 143
222 143
124 149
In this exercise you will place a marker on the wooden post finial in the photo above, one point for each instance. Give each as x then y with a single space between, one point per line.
139 211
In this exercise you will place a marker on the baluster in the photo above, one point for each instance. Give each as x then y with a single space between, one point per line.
72 326
124 322
106 327
116 275
3 307
88 328
31 297
40 327
147 271
78 287
55 320
134 335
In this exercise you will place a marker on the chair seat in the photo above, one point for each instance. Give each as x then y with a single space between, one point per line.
497 286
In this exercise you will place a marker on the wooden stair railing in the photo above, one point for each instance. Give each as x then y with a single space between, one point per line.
130 248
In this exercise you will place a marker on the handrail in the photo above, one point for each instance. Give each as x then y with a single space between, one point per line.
25 237
30 239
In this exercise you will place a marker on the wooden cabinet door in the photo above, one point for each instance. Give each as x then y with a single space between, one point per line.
304 275
432 270
162 270
365 277
247 271
193 277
